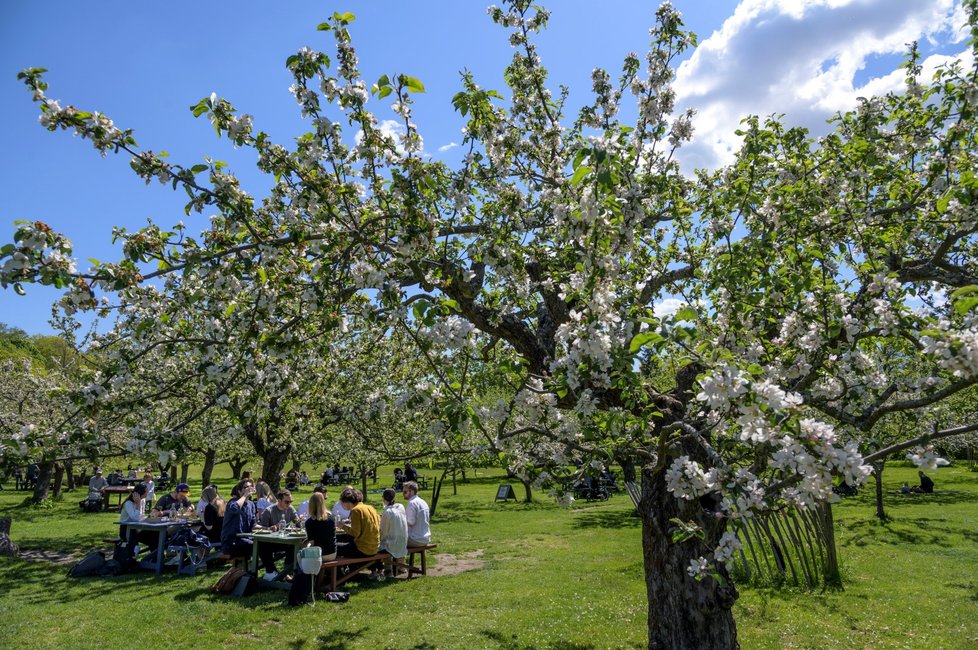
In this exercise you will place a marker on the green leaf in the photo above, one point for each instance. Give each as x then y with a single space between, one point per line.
639 341
199 168
19 289
384 92
324 27
414 85
685 313
345 18
579 175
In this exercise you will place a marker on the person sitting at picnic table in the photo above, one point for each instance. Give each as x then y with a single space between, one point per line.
264 494
303 478
202 502
213 514
340 512
926 484
398 478
321 526
173 501
303 508
362 533
98 483
239 517
132 511
277 517
418 516
393 532
410 474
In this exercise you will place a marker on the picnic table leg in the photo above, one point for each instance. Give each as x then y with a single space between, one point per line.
160 551
424 563
254 558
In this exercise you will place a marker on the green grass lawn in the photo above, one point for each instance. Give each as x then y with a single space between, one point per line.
549 578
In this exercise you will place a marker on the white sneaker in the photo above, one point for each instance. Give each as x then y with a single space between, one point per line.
270 575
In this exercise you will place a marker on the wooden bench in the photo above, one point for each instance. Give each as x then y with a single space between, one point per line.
356 564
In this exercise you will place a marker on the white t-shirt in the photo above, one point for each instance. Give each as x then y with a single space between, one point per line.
340 512
418 520
394 530
201 505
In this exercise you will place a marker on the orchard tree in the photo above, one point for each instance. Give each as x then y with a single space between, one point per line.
554 238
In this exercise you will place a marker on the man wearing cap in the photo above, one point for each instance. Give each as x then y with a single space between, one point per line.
97 482
173 500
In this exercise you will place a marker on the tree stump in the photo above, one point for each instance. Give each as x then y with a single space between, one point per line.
7 547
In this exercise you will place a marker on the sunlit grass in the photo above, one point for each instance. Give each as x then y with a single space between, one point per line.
552 578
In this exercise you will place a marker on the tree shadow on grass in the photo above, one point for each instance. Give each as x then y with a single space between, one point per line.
339 641
592 519
920 530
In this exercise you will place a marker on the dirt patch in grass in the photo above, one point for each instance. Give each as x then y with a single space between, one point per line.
56 557
449 565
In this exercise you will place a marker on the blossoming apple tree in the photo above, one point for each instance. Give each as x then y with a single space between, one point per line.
553 239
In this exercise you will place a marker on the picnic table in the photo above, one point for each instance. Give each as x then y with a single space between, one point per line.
296 540
121 490
165 530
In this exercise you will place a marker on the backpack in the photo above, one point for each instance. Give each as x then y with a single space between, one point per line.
90 565
227 582
122 556
301 591
189 538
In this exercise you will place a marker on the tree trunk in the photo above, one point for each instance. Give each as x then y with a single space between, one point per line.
70 469
43 482
184 472
272 466
363 482
205 474
59 478
832 576
237 465
878 475
684 613
529 491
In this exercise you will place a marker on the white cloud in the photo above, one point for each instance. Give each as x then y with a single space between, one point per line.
800 58
446 147
392 129
667 307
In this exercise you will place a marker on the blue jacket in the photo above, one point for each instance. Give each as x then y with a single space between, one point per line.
237 519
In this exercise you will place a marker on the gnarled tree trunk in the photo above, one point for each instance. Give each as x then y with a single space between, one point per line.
70 470
237 465
43 481
184 472
59 478
272 464
684 613
205 473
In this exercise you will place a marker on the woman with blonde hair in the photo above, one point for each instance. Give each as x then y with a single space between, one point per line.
213 513
321 526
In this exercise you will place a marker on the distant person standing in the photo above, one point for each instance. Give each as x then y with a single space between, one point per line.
418 516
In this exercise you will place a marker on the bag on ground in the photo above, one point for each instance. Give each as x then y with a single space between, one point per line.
90 565
227 582
301 591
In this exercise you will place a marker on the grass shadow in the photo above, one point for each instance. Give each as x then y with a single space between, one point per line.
898 532
506 642
591 519
337 642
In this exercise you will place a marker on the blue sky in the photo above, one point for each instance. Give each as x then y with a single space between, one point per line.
143 64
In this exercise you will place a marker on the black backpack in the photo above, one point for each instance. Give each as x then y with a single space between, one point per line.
301 591
91 565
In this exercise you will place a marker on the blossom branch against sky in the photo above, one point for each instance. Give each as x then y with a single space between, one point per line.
806 58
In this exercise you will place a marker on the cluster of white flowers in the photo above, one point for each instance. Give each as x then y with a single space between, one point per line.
687 480
722 386
926 458
955 349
